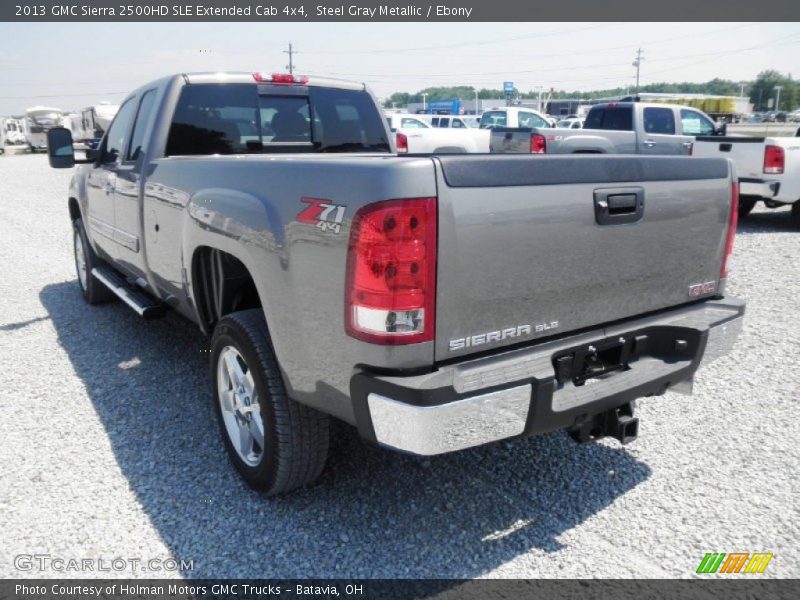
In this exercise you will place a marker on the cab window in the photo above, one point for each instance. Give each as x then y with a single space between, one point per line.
142 119
408 123
118 132
659 121
493 118
693 123
527 119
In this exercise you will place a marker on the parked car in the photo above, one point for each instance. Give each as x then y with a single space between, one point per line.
768 169
435 303
613 128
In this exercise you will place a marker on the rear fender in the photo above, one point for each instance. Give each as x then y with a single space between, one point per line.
240 224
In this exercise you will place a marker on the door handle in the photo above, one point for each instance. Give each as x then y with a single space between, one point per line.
687 144
649 143
614 206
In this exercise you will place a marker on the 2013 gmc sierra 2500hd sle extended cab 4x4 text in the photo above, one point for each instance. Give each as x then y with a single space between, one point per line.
434 302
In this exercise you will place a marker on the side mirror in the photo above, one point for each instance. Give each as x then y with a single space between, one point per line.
59 148
722 129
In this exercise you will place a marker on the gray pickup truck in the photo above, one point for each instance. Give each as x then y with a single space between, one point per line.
434 302
613 128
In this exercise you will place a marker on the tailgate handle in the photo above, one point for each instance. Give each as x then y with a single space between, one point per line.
618 205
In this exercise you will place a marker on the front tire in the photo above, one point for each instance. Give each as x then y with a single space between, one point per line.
275 443
92 290
746 205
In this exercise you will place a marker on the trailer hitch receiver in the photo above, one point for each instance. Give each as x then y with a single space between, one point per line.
618 423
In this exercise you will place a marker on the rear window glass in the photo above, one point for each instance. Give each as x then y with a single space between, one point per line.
247 119
617 118
490 119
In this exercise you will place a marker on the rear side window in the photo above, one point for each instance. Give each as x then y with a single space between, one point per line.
659 121
616 118
490 119
247 119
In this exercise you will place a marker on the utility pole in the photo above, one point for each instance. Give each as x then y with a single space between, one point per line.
741 91
424 95
477 102
778 89
291 54
637 63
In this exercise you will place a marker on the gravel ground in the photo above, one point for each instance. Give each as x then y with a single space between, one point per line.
109 449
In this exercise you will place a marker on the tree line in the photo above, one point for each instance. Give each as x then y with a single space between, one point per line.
760 91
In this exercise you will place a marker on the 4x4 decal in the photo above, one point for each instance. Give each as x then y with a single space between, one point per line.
323 214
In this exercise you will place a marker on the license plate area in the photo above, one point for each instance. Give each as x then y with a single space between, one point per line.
607 357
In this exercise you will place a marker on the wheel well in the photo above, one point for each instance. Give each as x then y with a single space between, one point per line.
222 285
74 209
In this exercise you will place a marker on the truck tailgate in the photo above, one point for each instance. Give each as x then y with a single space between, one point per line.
746 152
524 252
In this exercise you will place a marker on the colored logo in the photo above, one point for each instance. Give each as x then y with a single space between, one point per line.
734 562
323 214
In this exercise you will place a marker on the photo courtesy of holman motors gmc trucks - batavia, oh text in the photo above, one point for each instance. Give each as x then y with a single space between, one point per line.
434 302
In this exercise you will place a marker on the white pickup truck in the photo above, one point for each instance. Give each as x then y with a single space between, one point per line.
768 169
414 134
442 139
513 116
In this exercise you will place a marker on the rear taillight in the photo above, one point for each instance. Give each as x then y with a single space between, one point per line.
733 219
402 143
773 160
390 295
538 144
691 148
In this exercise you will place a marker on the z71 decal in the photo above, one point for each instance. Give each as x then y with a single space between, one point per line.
323 214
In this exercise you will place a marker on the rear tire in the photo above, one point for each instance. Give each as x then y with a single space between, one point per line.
93 291
796 214
275 443
746 205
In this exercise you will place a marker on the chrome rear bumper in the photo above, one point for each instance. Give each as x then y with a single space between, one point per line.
517 393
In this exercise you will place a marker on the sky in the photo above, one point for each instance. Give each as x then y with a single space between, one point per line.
72 65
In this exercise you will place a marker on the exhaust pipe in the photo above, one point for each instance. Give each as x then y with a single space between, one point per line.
618 423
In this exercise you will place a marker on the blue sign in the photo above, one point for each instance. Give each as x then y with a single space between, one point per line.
508 87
